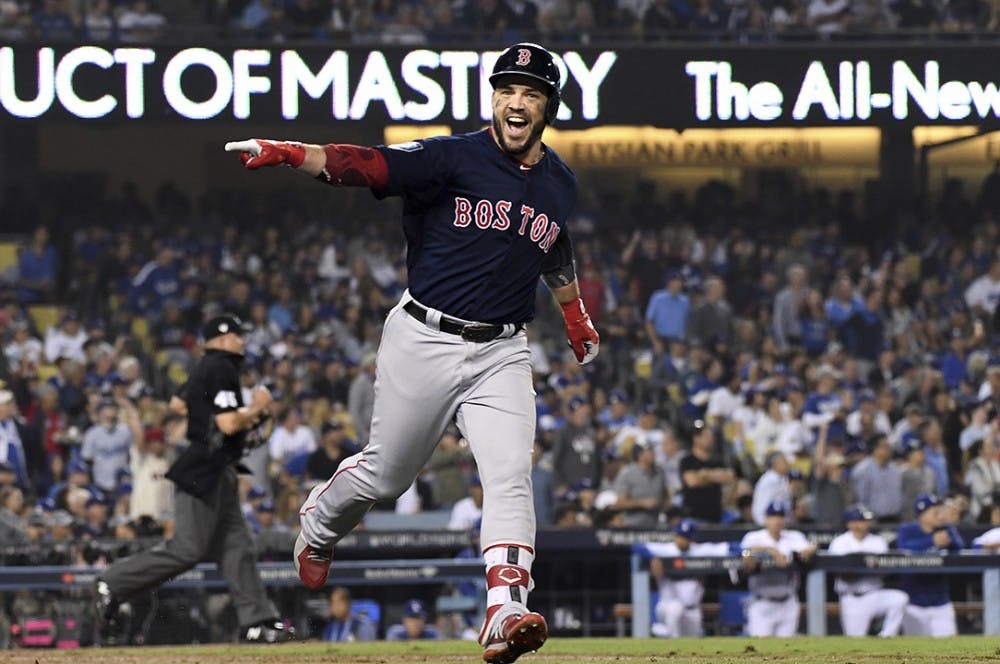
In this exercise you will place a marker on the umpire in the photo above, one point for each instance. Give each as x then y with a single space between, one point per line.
209 524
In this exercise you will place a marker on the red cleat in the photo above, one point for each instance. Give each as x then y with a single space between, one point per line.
518 633
313 565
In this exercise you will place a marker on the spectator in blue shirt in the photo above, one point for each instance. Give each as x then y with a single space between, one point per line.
158 280
953 370
52 22
929 432
842 302
930 612
816 329
414 626
36 269
667 313
344 625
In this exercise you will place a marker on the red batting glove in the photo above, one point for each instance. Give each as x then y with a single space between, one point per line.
580 332
257 152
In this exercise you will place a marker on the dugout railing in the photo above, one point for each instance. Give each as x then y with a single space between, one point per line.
815 575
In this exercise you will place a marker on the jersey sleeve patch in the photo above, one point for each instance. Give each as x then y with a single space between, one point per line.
408 146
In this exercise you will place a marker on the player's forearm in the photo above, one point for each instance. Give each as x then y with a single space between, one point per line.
566 294
315 160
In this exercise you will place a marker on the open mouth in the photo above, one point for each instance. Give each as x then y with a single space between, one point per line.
517 126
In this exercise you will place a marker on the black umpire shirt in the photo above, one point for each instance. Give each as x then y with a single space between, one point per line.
213 388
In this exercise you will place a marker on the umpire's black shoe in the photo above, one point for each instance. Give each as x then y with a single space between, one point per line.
113 615
268 631
105 602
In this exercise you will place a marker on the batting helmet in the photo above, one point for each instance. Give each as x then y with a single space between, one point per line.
534 61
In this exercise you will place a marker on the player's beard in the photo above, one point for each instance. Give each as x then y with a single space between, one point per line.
517 152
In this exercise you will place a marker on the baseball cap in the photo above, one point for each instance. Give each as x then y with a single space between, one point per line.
77 467
795 474
331 425
220 325
415 609
775 508
686 528
866 396
912 444
61 518
6 396
576 402
266 506
924 503
859 513
125 488
617 396
255 492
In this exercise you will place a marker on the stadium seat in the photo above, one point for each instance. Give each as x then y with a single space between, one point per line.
8 259
43 316
368 607
733 612
140 328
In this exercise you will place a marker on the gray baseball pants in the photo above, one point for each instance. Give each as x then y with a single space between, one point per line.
425 379
213 529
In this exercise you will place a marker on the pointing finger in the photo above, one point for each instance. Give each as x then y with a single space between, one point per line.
250 145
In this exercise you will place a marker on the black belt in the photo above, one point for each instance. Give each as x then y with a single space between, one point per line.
783 598
478 332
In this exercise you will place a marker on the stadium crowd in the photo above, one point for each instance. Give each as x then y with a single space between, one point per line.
453 21
744 364
741 364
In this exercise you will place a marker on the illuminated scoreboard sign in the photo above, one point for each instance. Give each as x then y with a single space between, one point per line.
670 86
91 82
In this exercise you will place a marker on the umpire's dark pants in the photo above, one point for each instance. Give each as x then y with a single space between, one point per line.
212 529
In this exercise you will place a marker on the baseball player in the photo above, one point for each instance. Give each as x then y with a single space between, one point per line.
862 597
484 216
773 609
678 610
930 611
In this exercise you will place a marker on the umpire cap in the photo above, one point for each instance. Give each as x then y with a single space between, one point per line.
220 325
533 61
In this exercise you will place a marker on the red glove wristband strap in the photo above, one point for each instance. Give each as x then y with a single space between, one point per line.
573 310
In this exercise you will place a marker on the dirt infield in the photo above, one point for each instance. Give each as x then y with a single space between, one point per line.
837 650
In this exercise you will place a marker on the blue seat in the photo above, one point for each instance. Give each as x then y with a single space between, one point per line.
368 607
733 611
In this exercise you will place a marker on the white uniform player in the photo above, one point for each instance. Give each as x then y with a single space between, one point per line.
863 597
773 609
678 610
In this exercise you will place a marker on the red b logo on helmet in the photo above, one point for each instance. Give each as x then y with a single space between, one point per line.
523 57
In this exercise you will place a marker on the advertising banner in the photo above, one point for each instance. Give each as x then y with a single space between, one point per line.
669 87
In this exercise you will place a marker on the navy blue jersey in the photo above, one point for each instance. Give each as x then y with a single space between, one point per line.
479 224
925 589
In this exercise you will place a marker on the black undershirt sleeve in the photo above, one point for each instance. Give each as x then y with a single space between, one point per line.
558 268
